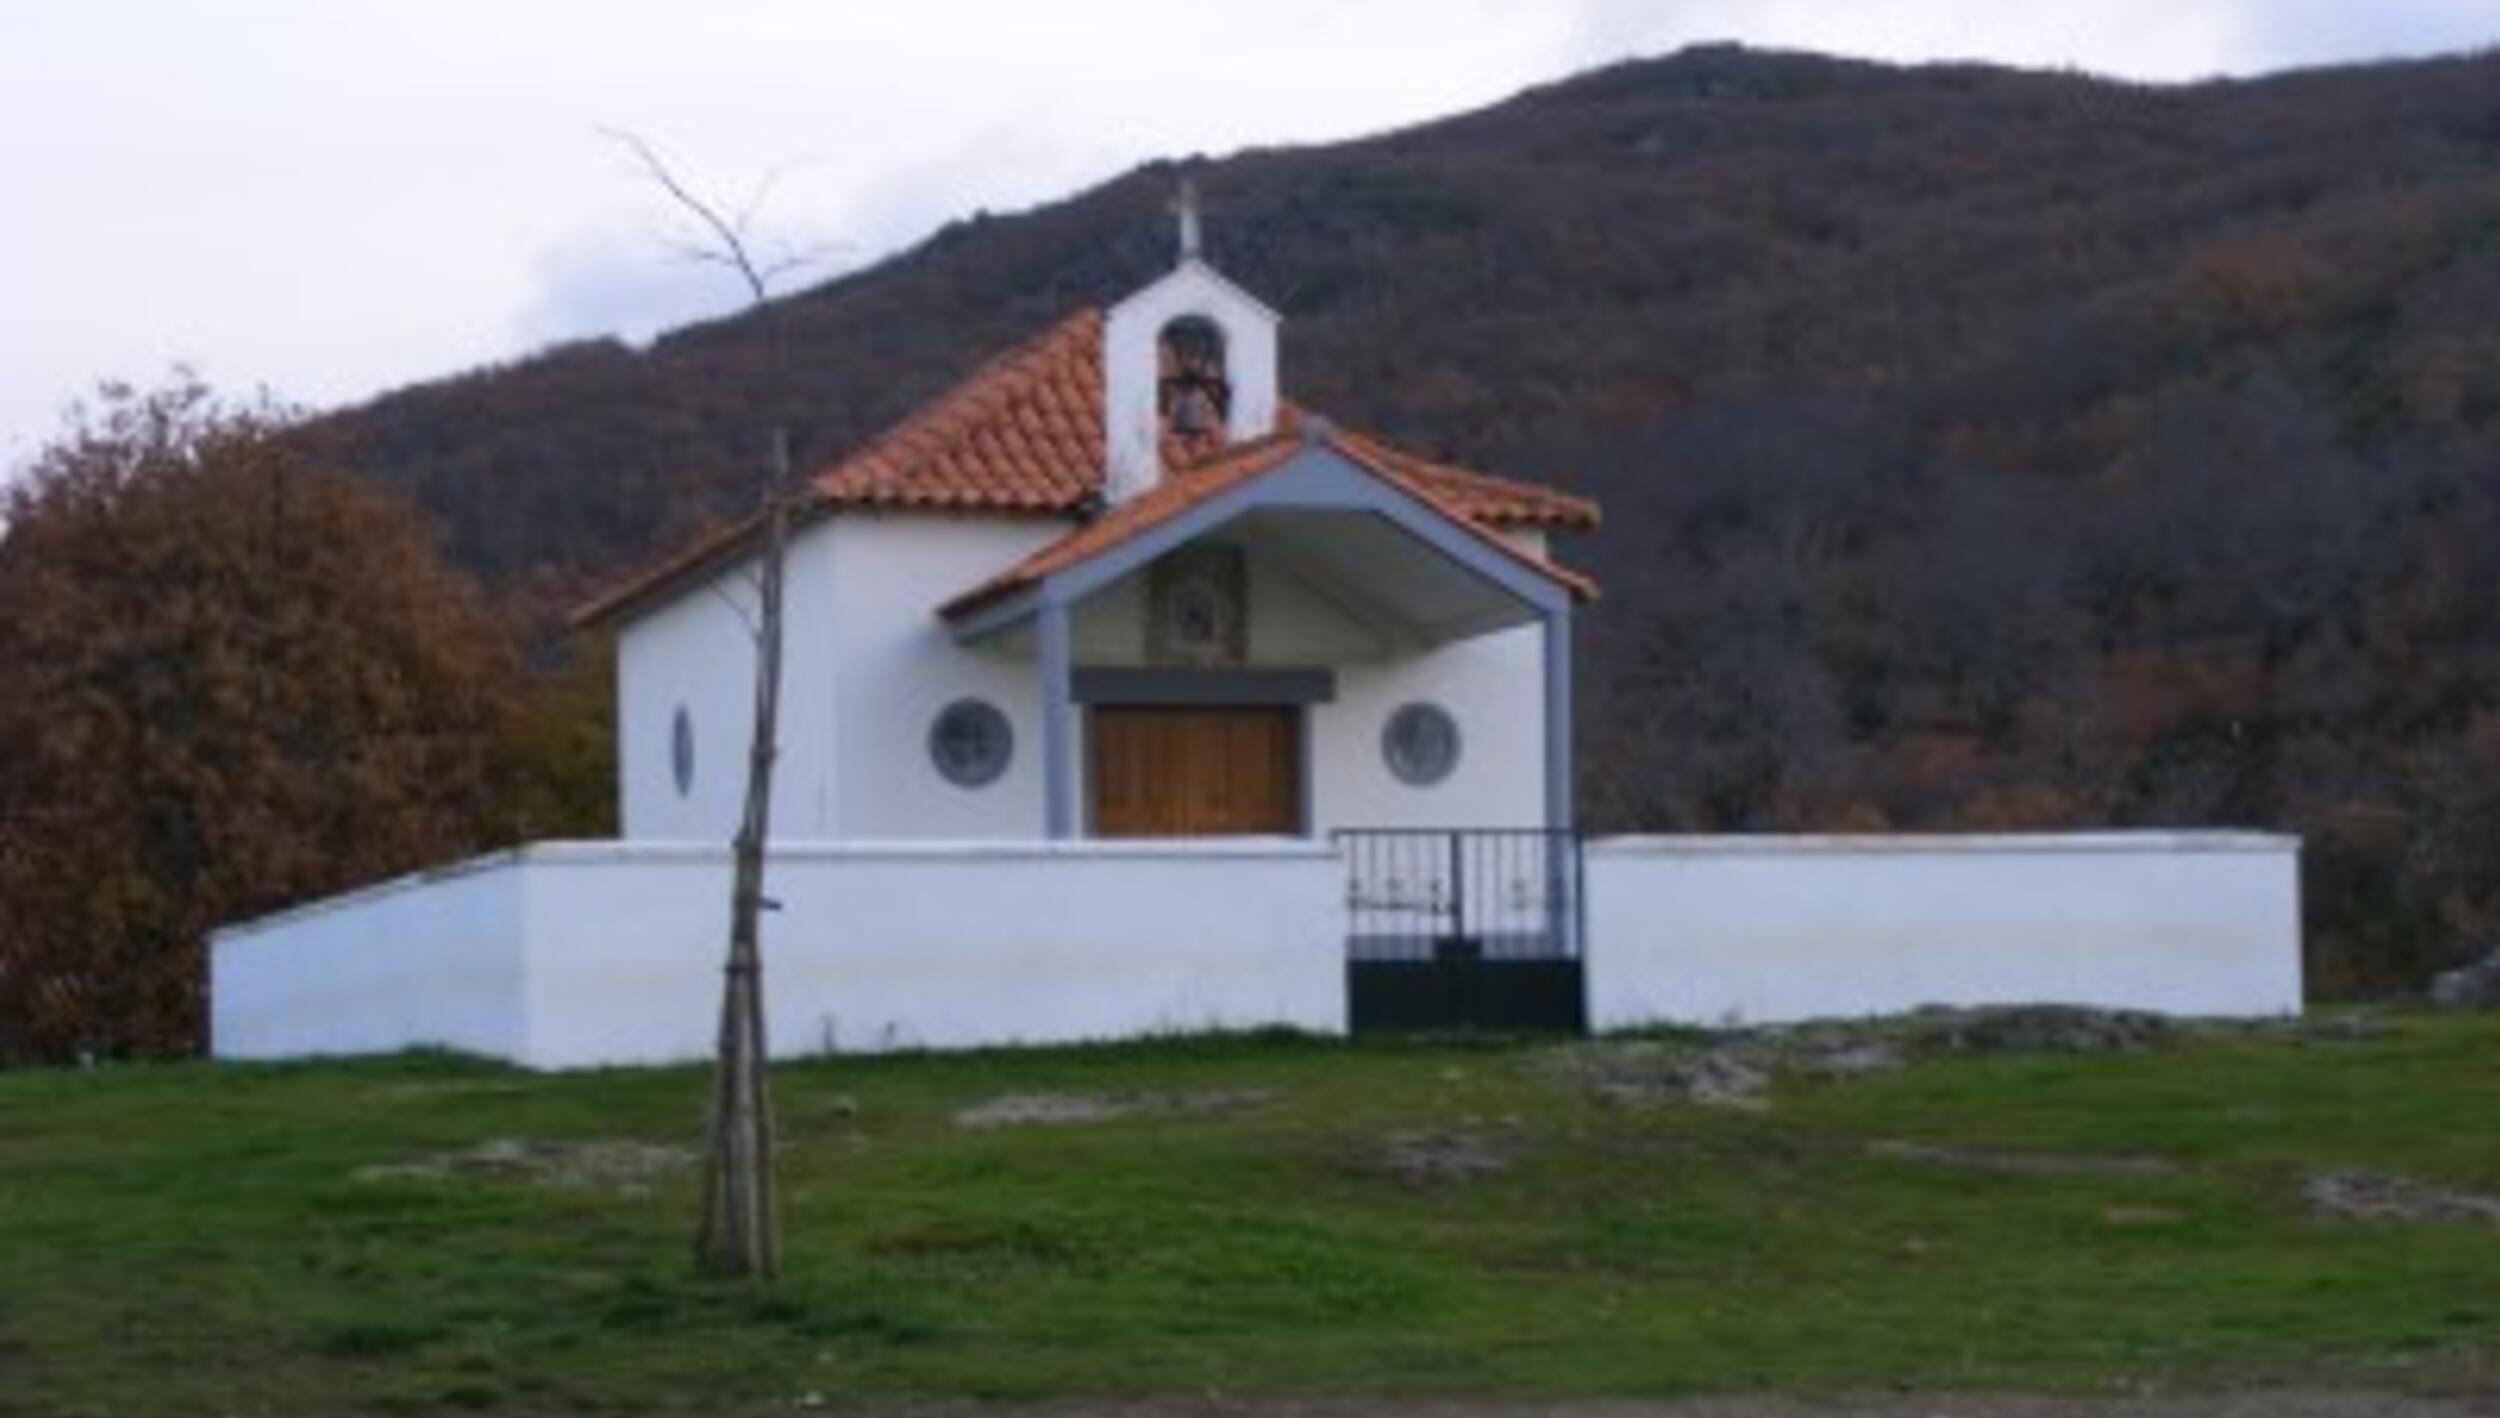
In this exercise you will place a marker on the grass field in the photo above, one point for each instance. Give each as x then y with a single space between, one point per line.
1374 1219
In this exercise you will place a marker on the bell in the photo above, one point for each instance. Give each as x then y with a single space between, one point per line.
1193 413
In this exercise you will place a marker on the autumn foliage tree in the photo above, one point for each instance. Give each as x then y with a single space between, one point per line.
231 678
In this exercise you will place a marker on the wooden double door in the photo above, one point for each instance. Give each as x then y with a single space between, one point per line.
1197 771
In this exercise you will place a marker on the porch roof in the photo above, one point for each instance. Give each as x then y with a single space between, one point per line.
1139 527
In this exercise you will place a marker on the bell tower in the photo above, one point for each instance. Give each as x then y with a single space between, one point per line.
1189 366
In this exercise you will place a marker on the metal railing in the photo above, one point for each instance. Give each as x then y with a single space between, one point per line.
1499 893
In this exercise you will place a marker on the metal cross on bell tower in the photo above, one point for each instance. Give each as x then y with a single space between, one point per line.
1185 208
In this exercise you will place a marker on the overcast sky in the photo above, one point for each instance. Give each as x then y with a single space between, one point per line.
333 198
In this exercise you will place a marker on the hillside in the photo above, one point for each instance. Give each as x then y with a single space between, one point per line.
1979 447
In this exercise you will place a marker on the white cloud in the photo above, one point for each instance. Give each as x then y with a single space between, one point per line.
607 280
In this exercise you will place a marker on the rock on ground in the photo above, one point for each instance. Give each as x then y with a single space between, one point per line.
1427 1157
2384 1198
2039 1029
1730 1073
2475 986
1737 1068
1732 1070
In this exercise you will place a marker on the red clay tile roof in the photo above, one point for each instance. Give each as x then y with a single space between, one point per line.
1478 497
1175 494
1184 488
712 549
1022 436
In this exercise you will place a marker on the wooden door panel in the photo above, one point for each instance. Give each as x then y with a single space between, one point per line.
1196 772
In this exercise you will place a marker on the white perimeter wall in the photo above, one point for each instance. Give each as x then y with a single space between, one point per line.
566 955
436 960
1712 931
574 954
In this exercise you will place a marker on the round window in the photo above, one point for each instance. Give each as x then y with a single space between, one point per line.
970 742
681 751
1420 742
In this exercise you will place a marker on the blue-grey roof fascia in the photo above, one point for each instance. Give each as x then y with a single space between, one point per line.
1316 479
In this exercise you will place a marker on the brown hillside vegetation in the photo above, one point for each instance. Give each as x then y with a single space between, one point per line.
1978 447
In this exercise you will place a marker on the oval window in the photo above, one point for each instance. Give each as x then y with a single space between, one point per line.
970 742
681 751
1420 742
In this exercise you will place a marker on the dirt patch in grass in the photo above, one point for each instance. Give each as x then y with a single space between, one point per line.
1423 1158
2025 1164
603 1164
1643 1073
2040 1029
1729 1071
2384 1199
1062 1109
1740 1068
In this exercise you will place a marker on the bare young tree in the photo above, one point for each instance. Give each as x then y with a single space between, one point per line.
740 1232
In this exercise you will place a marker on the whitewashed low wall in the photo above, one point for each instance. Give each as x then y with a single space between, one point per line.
433 960
564 955
1755 930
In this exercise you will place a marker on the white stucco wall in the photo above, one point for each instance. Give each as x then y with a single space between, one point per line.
696 650
578 954
1708 931
1131 332
869 664
896 666
574 954
430 960
1493 686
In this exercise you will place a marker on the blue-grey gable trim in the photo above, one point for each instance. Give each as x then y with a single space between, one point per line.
1561 770
1056 666
1317 478
1153 686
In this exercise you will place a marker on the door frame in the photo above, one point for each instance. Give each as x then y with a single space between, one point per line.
1092 767
1178 687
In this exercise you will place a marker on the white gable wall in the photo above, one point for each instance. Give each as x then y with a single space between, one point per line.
897 665
696 650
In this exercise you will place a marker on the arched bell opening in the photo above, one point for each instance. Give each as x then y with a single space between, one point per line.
1193 388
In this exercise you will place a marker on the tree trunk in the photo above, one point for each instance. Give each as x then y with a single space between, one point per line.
741 1235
